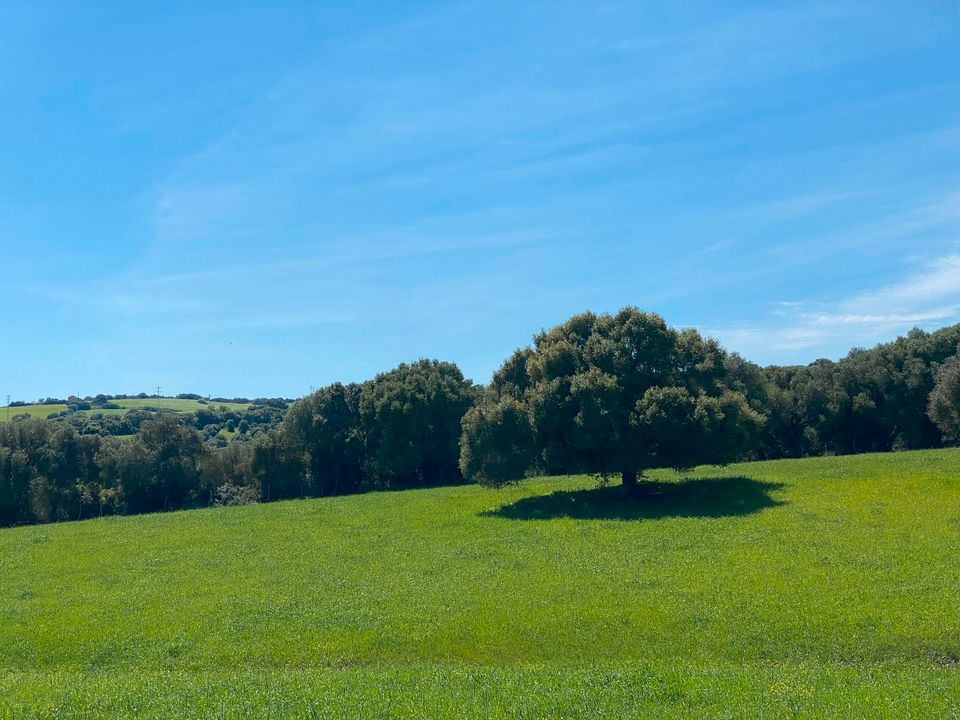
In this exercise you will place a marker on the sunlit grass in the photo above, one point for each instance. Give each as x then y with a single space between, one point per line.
35 411
175 404
168 404
823 587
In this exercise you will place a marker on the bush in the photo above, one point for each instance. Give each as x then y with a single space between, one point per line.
944 402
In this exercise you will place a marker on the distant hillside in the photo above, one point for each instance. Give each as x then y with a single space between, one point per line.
89 406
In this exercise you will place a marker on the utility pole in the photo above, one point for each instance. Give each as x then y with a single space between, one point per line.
158 398
8 408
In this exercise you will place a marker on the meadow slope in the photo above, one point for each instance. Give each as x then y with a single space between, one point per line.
177 405
825 587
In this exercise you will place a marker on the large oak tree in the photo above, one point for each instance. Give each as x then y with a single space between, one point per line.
608 394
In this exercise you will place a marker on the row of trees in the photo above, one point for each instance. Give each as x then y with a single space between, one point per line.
607 394
621 393
210 420
870 401
397 431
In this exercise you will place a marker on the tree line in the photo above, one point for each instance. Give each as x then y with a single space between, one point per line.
605 394
400 430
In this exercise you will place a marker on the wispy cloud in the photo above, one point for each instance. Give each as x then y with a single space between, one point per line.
928 295
428 128
351 279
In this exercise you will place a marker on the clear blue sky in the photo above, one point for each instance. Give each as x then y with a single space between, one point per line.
252 198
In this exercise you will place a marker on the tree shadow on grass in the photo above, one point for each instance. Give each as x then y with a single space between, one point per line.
710 498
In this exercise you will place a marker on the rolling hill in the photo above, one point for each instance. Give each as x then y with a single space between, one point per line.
824 587
125 405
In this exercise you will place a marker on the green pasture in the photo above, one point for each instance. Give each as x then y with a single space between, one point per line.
36 411
169 404
825 587
181 406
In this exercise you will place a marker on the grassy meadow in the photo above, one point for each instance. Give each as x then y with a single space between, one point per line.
175 404
168 404
36 411
825 587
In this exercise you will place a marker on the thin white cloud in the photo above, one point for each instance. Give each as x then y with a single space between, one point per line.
887 319
939 215
940 280
928 296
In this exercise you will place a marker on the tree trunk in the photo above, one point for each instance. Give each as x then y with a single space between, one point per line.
629 480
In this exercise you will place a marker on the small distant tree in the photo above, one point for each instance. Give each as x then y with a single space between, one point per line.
410 420
325 428
158 469
497 441
229 472
41 502
126 471
277 467
944 403
611 394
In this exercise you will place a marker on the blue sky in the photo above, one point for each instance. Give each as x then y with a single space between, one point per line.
252 198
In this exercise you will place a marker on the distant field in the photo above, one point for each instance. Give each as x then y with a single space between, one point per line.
180 406
37 411
825 587
184 406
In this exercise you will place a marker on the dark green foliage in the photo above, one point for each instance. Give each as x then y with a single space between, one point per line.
682 431
325 427
871 400
399 430
609 394
512 379
944 405
410 420
277 468
47 472
599 393
230 472
159 469
497 441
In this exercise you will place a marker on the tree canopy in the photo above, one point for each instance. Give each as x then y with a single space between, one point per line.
410 421
608 394
944 405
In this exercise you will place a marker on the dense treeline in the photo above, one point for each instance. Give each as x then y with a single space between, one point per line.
95 400
399 430
870 401
599 393
212 422
625 392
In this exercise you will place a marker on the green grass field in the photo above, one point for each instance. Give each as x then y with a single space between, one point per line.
36 411
817 588
180 406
